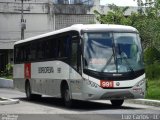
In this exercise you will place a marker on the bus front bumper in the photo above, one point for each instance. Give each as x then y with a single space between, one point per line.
96 93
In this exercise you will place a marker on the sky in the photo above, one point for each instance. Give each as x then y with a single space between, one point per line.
119 2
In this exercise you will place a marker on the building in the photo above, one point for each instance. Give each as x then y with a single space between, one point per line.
41 16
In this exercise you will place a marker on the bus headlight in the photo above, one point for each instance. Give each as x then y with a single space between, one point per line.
140 83
138 87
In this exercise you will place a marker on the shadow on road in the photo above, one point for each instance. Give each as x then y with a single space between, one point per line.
78 105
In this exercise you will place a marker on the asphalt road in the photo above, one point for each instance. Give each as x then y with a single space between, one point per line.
48 108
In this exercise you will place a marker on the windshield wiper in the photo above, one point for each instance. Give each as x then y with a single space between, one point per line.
109 60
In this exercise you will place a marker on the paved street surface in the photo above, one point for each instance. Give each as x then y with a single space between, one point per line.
49 107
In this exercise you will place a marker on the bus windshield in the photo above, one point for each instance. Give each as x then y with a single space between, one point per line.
112 52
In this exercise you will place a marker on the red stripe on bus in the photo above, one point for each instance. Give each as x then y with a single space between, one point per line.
27 70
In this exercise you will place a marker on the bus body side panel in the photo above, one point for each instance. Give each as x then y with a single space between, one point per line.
75 84
47 77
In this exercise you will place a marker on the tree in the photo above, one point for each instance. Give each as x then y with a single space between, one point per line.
115 16
146 20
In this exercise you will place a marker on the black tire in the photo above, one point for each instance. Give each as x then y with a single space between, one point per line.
28 91
29 94
117 103
67 96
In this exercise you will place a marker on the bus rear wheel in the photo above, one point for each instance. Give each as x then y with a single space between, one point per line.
28 91
67 97
117 103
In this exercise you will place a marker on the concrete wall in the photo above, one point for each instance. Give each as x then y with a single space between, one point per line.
35 24
36 14
40 18
68 20
70 9
6 83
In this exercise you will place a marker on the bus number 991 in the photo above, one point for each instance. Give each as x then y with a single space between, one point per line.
106 84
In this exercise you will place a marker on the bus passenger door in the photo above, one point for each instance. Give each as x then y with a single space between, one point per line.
75 69
76 55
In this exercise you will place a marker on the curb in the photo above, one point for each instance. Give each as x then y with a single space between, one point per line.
6 83
6 101
155 103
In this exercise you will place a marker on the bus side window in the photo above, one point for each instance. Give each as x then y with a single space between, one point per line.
64 46
25 53
33 52
54 47
67 46
40 51
17 55
61 47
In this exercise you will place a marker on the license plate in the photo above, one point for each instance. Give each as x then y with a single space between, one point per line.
106 84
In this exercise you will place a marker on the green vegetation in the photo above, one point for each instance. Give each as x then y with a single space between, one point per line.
8 72
152 63
153 90
147 22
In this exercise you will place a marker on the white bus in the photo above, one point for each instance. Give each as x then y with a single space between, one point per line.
82 62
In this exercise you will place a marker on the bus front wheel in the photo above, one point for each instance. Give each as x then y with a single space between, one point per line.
117 103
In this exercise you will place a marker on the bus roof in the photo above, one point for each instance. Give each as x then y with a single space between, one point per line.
79 27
